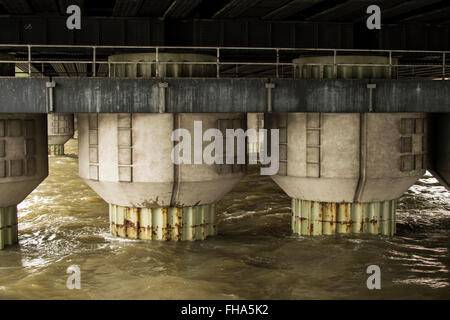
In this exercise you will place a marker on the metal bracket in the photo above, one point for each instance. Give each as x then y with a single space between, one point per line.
162 96
371 87
269 87
49 85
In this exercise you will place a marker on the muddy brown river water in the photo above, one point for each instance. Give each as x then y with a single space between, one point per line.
255 256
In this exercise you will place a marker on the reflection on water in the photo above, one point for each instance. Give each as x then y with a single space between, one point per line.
254 256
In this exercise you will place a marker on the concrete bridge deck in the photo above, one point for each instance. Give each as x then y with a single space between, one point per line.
210 95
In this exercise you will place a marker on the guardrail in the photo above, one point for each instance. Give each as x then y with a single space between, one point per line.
35 60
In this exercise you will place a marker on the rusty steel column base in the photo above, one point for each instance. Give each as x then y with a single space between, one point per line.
8 226
326 218
56 149
166 224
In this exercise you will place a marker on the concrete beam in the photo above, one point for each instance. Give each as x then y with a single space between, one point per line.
209 95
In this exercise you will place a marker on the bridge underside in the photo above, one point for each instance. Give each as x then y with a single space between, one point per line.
440 148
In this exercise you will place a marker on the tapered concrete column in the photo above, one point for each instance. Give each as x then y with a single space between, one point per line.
8 226
23 166
345 171
127 160
23 161
60 130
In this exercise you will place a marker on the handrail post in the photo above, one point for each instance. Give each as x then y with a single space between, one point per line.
157 62
334 64
218 63
443 66
390 64
29 60
94 61
278 62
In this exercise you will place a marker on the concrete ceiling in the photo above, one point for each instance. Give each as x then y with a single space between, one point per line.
393 11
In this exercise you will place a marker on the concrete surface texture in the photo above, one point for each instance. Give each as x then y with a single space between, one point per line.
357 159
350 157
306 69
60 130
23 166
126 159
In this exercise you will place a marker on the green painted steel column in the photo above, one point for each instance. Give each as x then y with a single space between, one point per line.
56 149
165 224
8 226
312 218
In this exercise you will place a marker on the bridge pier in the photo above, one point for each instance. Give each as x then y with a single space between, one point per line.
344 172
127 159
23 166
60 130
23 162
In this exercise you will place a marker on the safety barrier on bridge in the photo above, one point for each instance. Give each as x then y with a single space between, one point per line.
231 62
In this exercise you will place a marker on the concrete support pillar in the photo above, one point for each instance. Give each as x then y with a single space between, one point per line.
345 171
60 130
23 166
23 161
127 160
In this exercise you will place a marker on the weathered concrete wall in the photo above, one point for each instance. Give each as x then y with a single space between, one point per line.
23 156
349 157
174 69
103 95
126 159
60 128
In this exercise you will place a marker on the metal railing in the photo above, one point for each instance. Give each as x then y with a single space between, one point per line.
406 63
